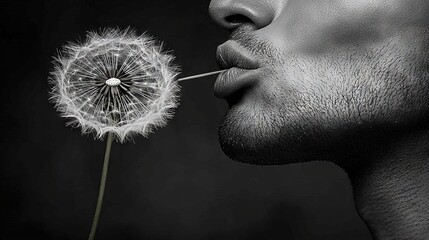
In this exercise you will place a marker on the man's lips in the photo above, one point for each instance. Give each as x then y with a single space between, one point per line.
231 54
242 69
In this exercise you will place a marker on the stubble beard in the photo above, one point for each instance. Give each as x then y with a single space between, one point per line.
345 108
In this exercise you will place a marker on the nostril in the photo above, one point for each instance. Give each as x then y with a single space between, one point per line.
237 19
231 14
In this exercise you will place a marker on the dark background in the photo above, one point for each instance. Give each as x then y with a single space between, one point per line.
177 184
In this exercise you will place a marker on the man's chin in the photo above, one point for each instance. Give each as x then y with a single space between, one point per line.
261 144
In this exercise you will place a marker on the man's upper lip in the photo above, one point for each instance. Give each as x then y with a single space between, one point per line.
231 54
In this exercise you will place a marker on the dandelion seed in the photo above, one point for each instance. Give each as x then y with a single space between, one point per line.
97 84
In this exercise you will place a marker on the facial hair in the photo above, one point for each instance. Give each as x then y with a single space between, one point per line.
323 107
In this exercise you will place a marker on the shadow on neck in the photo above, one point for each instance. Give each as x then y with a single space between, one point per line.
390 182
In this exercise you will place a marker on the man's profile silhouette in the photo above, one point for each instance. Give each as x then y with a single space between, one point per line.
334 80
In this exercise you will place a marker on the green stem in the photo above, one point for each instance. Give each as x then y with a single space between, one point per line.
102 186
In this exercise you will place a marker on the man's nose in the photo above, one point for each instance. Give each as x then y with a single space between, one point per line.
230 14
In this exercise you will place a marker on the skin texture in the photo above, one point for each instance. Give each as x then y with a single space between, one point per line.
342 81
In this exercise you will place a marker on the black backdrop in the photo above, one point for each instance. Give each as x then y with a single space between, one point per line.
175 185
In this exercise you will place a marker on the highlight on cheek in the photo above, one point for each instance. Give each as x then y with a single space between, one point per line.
115 82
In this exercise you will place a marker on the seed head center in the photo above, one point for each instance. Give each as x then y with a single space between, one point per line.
111 82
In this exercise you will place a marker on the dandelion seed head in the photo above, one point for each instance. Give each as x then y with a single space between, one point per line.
116 81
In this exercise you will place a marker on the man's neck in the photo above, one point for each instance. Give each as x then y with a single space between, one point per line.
392 191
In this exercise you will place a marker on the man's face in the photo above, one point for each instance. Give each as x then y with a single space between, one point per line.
326 75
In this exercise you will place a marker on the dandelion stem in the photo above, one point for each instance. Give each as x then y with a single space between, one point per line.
200 75
102 186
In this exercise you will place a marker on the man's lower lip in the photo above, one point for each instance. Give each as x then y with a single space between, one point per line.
234 79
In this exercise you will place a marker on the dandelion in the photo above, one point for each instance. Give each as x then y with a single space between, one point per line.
118 83
115 82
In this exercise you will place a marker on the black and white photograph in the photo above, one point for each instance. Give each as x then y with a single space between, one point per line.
214 120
